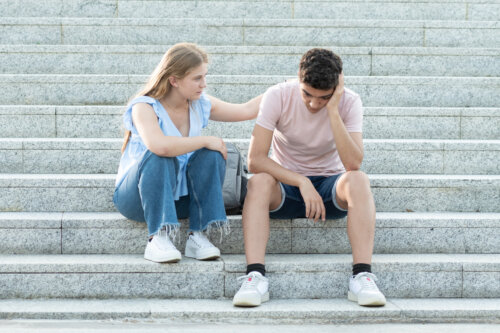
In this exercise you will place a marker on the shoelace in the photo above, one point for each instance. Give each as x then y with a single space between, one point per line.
250 280
201 240
367 280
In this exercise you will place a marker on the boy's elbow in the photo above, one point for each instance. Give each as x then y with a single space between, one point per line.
253 165
353 166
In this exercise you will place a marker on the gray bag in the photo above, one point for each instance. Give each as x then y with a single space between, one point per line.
235 181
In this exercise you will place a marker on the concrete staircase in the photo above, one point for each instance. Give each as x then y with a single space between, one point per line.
428 73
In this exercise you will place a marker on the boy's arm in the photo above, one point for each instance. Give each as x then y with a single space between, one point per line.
259 161
349 144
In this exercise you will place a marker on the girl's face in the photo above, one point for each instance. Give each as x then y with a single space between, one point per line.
192 85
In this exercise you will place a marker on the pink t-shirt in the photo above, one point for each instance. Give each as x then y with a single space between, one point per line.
303 141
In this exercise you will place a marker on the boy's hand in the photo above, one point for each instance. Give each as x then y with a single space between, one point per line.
334 101
315 208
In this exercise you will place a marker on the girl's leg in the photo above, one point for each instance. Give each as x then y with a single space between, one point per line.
205 174
146 194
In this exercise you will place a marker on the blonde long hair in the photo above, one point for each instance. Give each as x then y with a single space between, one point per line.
178 61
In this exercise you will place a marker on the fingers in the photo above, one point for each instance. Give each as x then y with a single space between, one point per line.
315 209
223 149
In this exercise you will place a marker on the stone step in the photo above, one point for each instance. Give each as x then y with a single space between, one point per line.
244 60
248 31
374 90
90 156
393 193
277 311
18 121
283 9
111 233
283 325
291 276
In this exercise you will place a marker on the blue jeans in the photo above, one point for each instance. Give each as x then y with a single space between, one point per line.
293 206
147 192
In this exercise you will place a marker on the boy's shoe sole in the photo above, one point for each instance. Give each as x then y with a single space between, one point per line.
366 301
250 299
203 254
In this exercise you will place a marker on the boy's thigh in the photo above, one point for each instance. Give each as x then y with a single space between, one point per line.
293 205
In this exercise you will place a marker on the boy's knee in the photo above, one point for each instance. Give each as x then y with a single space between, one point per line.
261 182
356 179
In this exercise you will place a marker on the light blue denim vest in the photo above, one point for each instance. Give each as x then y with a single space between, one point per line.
199 112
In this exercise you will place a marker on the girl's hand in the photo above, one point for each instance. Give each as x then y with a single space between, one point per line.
217 144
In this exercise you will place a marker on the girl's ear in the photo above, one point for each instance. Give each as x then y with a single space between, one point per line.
173 81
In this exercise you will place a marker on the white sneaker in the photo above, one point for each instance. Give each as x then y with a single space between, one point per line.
362 289
161 249
199 247
253 291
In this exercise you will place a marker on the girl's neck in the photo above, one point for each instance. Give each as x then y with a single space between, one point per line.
174 101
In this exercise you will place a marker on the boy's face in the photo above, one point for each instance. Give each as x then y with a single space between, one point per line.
315 99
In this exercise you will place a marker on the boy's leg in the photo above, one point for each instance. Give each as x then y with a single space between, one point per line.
354 194
263 195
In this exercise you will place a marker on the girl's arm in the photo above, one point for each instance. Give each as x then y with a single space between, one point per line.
146 122
223 111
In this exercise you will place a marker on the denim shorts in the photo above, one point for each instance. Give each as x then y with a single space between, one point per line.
292 205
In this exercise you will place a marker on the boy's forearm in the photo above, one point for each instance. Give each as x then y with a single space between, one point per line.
350 153
283 175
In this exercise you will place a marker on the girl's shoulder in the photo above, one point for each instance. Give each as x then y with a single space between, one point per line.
142 99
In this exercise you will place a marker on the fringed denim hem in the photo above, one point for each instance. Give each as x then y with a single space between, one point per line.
222 225
171 230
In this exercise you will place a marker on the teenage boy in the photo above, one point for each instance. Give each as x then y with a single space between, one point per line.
314 125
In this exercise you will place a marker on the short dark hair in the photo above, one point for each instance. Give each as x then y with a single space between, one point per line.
320 69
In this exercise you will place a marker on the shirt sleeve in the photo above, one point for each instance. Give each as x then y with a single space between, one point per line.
353 116
270 109
127 116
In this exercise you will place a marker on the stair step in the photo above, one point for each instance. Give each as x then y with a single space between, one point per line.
290 276
277 311
284 9
393 193
363 32
374 90
111 233
381 156
104 121
244 60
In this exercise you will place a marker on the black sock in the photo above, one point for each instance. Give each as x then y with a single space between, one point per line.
358 268
257 268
